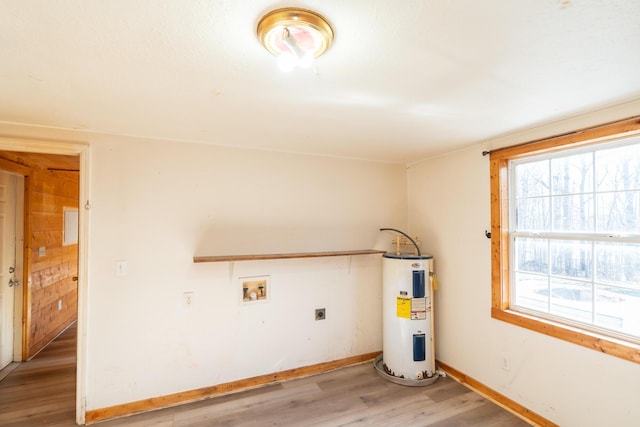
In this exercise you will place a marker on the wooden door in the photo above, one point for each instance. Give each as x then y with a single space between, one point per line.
8 280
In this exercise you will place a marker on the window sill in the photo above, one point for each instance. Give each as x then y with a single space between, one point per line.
602 343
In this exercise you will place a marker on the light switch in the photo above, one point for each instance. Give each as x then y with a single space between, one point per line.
121 268
42 251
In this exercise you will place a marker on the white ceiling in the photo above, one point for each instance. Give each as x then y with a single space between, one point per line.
403 80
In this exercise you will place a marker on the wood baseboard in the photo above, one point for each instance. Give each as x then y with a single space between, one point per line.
160 402
497 398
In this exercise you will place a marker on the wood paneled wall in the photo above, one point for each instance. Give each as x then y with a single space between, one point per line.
50 295
53 290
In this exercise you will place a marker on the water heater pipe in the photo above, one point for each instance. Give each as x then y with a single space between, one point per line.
405 235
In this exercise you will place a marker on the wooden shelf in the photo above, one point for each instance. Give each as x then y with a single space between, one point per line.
225 258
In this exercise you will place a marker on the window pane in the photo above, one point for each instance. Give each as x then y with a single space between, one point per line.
618 212
572 299
618 263
533 214
573 213
618 168
532 255
531 291
568 257
532 179
571 259
572 174
618 309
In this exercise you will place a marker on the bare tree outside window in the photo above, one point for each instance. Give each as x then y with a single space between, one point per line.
576 235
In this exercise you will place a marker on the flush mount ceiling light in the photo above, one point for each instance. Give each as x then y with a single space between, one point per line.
295 36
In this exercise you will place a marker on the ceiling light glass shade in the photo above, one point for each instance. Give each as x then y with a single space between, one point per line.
295 36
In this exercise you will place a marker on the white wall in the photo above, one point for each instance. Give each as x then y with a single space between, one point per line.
157 204
449 208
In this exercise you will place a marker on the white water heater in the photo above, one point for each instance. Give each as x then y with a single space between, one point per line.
408 355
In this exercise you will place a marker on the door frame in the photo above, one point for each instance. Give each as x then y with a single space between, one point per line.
18 297
81 149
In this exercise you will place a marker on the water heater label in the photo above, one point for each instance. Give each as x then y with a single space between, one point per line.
418 304
418 308
403 307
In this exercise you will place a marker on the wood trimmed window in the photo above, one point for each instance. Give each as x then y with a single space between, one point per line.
506 296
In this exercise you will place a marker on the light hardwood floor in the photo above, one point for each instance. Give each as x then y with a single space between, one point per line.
42 393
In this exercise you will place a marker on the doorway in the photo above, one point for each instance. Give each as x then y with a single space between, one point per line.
10 269
46 151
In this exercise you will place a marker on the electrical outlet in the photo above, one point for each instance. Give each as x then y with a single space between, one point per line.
320 314
506 363
187 299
